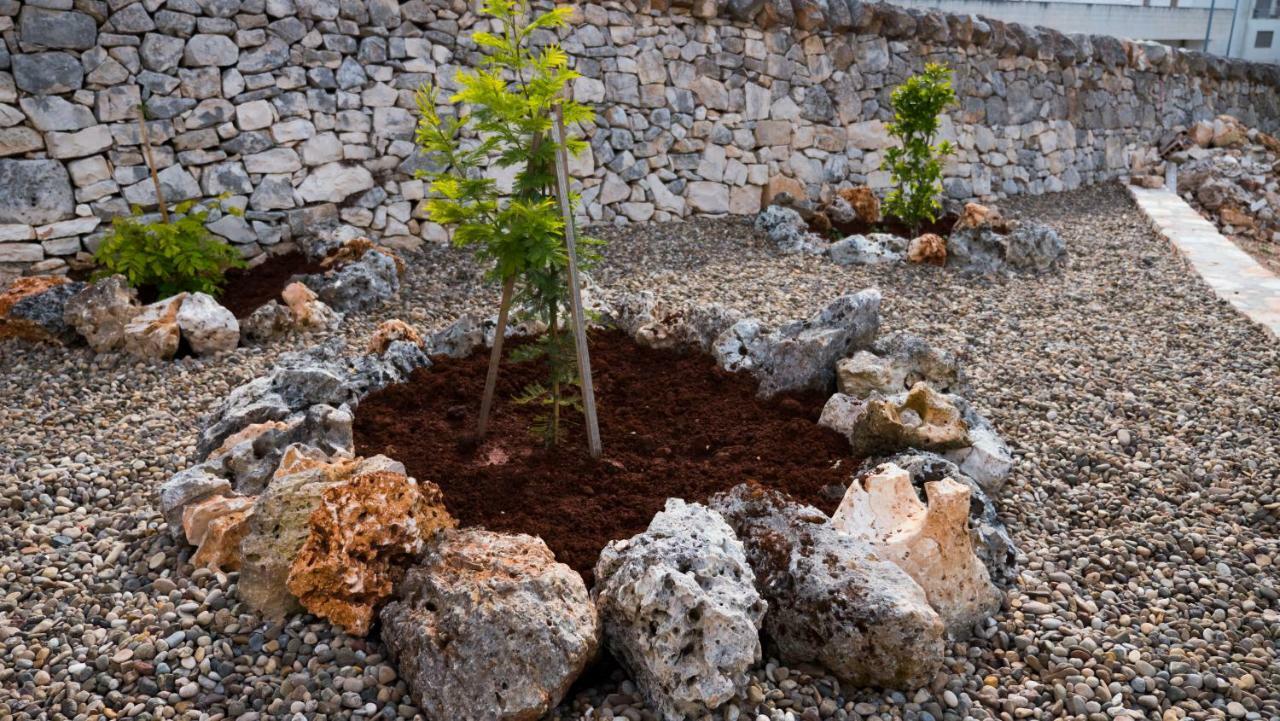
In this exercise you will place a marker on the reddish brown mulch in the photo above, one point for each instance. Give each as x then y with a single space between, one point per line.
889 224
247 289
673 425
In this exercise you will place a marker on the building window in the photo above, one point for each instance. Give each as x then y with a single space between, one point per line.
1264 9
1263 40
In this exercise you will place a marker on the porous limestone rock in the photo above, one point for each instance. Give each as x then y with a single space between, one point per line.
490 626
864 202
987 458
976 215
872 249
153 333
787 230
930 542
207 326
679 609
655 324
362 535
358 285
281 523
462 338
267 321
392 330
353 249
250 457
832 600
991 540
920 418
33 307
101 311
895 363
186 487
1029 247
306 310
929 248
216 525
801 355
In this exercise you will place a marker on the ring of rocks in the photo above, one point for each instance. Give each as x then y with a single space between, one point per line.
489 625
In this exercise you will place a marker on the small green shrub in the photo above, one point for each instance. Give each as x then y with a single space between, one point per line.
172 257
916 166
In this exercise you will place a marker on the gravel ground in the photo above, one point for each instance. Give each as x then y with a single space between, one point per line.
1143 411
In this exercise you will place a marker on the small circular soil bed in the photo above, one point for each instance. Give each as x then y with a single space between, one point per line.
673 425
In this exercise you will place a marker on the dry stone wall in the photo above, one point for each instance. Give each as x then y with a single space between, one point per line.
302 110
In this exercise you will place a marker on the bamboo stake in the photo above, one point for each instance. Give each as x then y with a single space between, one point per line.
151 163
575 292
495 356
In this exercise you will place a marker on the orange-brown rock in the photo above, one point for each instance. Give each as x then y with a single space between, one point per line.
976 215
1235 217
779 184
928 248
25 288
362 536
248 433
153 333
215 525
307 309
390 331
355 249
864 202
821 223
1270 142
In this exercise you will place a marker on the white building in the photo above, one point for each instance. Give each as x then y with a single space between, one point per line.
1248 29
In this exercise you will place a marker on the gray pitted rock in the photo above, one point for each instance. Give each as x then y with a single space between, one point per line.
991 540
490 626
786 229
680 610
987 458
207 326
359 285
1028 247
896 363
46 311
250 457
920 418
186 487
101 311
801 355
459 340
832 601
872 249
36 191
655 325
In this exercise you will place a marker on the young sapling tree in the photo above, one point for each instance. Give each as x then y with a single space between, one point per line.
915 167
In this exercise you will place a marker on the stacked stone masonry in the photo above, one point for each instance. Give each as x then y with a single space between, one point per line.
303 110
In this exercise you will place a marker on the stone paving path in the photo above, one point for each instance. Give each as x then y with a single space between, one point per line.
1232 273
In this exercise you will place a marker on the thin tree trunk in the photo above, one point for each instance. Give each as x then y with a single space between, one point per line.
151 163
495 357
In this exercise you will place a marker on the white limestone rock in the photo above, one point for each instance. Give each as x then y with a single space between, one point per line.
207 326
931 543
680 610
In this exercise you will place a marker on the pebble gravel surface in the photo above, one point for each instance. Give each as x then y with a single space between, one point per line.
1144 414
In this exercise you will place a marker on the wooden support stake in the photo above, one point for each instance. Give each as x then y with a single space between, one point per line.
495 357
575 291
145 137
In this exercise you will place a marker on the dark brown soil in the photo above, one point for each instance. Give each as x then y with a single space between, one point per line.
673 425
942 226
247 289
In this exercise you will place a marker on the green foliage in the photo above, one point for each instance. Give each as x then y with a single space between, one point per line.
916 166
502 117
172 257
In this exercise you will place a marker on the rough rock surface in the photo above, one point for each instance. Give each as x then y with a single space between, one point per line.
871 249
359 285
363 533
679 609
280 524
991 540
895 363
267 321
655 324
490 626
930 542
153 333
33 307
207 326
929 248
306 310
216 525
801 355
921 418
787 230
186 487
987 458
249 458
100 312
1030 247
832 600
389 331
864 202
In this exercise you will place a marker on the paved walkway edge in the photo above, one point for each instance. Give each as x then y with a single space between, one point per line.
1232 273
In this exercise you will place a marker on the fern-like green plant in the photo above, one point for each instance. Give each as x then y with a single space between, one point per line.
173 257
502 117
915 167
